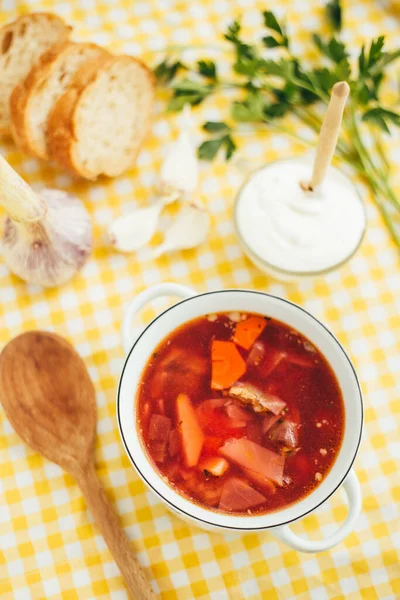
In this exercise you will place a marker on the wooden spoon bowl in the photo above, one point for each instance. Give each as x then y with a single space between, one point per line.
50 401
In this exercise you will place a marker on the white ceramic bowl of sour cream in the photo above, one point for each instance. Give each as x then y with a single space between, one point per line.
290 233
139 349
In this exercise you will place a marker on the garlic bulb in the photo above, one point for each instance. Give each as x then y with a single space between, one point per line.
47 237
180 169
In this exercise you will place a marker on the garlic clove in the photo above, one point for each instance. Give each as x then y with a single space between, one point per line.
189 230
180 169
50 250
134 230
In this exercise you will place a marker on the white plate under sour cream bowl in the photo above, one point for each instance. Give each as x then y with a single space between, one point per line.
194 305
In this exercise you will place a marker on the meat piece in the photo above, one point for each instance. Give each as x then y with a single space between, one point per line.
159 428
259 400
285 433
239 495
269 421
249 455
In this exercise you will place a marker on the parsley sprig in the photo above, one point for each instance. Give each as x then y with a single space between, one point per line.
271 82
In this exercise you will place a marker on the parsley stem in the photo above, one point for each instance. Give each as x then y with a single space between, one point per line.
280 129
375 175
184 47
382 155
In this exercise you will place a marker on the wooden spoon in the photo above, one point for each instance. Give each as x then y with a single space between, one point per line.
50 401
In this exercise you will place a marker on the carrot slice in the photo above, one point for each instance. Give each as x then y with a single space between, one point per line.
246 332
191 432
227 365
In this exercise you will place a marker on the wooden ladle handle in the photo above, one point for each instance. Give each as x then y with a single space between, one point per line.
110 527
329 133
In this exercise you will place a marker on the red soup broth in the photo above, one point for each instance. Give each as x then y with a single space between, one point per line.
240 413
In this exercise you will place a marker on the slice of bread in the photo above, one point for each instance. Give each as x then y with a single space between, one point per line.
32 100
21 44
99 124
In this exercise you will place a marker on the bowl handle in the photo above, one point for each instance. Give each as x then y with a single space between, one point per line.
156 291
351 486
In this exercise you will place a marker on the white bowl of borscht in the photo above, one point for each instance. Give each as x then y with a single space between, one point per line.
241 411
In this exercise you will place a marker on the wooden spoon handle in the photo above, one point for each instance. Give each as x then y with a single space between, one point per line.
110 527
329 133
17 197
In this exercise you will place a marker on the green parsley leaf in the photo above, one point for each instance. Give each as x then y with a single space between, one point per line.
375 57
375 51
343 70
177 103
334 49
247 66
275 110
207 68
271 21
284 68
215 126
382 117
230 147
334 12
167 70
188 91
208 150
250 110
271 42
189 86
232 35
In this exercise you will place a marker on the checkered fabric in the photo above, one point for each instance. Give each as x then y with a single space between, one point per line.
49 546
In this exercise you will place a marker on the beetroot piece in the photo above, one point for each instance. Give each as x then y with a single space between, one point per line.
159 428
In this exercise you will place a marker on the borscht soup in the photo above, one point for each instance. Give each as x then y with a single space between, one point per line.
240 413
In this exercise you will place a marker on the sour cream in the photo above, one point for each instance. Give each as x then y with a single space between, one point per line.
296 231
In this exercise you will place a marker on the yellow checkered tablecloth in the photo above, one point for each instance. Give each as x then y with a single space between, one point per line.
49 547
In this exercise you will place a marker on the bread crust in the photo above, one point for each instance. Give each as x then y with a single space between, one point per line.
60 125
25 91
10 28
61 132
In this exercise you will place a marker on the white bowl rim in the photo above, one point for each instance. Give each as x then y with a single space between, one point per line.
191 515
